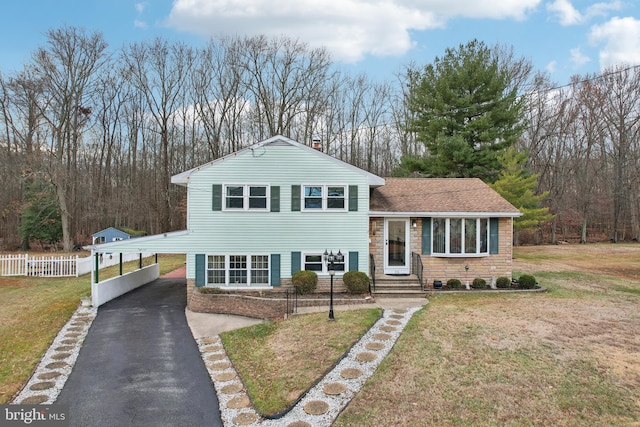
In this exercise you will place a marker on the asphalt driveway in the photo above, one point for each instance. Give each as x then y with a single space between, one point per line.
140 366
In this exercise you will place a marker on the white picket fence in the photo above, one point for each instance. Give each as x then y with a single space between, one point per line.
57 266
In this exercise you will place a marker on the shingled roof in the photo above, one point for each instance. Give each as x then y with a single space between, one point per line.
438 195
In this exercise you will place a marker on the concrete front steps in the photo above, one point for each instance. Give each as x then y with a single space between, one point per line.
398 287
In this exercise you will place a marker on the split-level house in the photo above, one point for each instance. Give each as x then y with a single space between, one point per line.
256 216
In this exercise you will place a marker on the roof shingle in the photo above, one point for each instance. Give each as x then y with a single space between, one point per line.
438 195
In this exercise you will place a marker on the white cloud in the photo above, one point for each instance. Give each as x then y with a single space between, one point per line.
349 29
551 67
567 14
564 11
619 39
140 24
578 59
140 7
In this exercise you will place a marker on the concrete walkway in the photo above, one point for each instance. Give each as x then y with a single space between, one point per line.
139 365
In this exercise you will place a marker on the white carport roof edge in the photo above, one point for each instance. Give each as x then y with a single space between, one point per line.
141 244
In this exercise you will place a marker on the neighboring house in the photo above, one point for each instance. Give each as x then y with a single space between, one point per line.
256 216
110 234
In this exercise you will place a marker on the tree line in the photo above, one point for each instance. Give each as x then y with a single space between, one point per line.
97 133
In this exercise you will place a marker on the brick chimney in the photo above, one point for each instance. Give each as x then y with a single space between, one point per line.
316 144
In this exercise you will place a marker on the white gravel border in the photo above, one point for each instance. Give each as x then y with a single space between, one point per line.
336 403
77 321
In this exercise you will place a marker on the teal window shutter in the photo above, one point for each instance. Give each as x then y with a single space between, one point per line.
296 258
295 198
200 269
493 236
275 199
353 261
353 198
426 236
216 197
275 269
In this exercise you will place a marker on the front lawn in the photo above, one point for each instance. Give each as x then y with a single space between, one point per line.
279 361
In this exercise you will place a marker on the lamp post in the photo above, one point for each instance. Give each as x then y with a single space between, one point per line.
331 259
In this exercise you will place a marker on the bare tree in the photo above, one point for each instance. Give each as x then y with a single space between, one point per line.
159 72
67 69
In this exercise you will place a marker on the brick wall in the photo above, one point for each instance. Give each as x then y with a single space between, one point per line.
260 307
436 268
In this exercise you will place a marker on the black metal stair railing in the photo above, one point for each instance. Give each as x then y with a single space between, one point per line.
372 273
417 268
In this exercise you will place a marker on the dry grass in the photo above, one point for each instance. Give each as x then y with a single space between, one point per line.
566 357
32 312
279 361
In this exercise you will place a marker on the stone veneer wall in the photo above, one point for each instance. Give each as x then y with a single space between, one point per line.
442 268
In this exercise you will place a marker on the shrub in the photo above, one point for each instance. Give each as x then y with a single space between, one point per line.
527 281
503 282
479 283
454 284
356 282
210 291
305 282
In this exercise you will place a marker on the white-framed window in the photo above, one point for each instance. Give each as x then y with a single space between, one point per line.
238 270
315 262
324 197
460 236
246 197
216 270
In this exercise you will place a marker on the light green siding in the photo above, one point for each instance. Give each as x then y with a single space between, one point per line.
283 232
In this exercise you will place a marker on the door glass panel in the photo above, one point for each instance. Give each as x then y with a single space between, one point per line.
397 241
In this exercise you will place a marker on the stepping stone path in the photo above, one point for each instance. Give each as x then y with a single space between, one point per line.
56 364
321 405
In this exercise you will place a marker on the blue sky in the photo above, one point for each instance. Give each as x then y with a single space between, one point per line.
562 37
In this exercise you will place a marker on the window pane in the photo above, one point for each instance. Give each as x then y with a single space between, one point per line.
335 203
216 273
335 197
313 197
470 236
335 192
260 269
439 234
258 191
258 203
234 203
313 203
237 277
484 231
234 199
313 191
455 235
313 262
237 269
234 191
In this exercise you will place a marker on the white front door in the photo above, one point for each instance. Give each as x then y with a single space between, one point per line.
397 256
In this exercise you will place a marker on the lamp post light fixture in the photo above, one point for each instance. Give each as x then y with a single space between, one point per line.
331 259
